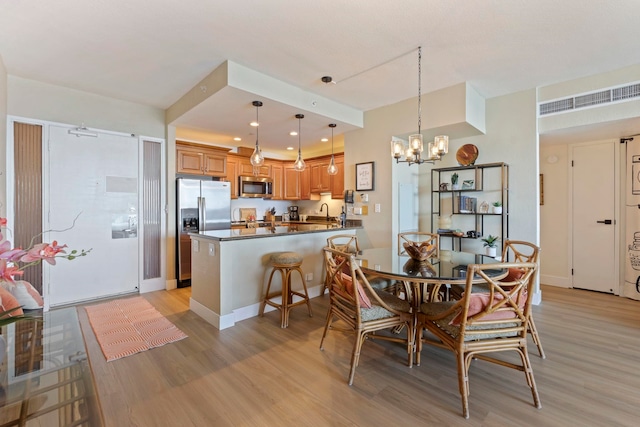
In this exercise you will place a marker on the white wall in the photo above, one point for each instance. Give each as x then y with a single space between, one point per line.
42 101
554 216
511 137
3 138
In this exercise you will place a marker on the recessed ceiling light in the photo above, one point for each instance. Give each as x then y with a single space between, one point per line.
237 138
324 139
290 148
254 124
293 133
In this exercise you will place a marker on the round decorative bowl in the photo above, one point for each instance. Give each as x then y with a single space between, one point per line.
419 251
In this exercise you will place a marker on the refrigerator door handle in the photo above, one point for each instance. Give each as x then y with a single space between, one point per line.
201 215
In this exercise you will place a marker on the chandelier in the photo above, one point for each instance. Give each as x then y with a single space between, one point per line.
412 152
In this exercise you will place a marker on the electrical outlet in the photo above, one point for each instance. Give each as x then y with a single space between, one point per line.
212 249
308 277
195 245
377 208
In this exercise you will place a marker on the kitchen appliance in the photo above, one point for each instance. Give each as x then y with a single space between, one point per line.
293 213
632 221
201 206
253 186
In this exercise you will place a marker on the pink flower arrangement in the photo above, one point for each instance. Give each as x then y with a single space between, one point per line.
11 257
13 261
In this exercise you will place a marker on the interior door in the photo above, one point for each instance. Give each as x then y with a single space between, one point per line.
594 217
96 180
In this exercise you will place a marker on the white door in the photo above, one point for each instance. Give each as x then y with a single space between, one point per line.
593 217
96 177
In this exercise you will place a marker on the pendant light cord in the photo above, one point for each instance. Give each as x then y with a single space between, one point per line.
419 88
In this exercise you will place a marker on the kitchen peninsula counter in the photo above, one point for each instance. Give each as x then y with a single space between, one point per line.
230 268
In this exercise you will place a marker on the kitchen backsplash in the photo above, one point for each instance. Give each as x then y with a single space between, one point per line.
306 207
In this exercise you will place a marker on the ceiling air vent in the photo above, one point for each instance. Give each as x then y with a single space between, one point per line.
591 99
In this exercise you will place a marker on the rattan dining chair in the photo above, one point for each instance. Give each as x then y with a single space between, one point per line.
521 251
361 309
482 324
349 243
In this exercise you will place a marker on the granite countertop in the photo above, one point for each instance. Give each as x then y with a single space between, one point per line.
263 232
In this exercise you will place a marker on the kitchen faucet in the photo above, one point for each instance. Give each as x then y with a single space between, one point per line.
324 204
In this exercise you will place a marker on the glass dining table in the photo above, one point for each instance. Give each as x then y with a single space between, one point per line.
424 280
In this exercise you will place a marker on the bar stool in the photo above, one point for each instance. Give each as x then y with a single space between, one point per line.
285 263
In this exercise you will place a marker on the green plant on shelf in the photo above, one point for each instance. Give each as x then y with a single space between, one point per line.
490 241
454 178
497 204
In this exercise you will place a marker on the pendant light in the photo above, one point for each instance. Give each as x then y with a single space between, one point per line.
332 169
257 159
299 164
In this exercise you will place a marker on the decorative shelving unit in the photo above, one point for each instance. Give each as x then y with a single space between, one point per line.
487 182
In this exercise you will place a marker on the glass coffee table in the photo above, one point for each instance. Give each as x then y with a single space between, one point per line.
45 379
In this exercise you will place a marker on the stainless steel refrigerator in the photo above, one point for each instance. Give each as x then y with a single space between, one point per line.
201 206
632 220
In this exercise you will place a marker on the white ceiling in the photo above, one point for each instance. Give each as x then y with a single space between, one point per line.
154 51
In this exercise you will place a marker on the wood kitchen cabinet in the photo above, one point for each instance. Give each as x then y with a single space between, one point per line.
277 175
297 185
320 178
245 168
197 159
232 175
337 180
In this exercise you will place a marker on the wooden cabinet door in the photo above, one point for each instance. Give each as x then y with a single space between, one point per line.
189 161
337 180
232 175
215 164
277 175
291 183
320 178
246 169
305 184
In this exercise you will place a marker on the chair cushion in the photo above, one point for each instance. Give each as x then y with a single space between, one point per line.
376 312
9 302
26 295
513 275
348 284
479 301
445 324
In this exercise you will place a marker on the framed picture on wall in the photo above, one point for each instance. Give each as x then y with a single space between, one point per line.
364 176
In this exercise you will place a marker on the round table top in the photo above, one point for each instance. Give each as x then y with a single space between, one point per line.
451 266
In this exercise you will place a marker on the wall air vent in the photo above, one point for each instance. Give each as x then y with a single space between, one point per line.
590 99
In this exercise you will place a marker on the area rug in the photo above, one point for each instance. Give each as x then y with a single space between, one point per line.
128 326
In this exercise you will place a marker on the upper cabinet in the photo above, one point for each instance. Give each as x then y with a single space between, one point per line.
201 160
320 179
232 174
247 169
337 180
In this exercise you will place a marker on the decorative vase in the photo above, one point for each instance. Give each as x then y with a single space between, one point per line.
444 222
491 251
497 209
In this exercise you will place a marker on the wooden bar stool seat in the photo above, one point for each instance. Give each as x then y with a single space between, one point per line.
286 263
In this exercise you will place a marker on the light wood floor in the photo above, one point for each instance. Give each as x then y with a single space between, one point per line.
256 374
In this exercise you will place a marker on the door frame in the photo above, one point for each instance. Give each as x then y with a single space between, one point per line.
616 206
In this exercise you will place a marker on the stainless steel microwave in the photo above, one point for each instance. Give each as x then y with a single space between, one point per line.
253 186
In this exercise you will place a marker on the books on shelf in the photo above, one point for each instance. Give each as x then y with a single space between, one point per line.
467 204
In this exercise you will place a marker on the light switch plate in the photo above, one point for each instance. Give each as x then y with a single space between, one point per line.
377 207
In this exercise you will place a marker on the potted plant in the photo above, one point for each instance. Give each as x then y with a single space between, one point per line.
454 181
490 244
497 207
